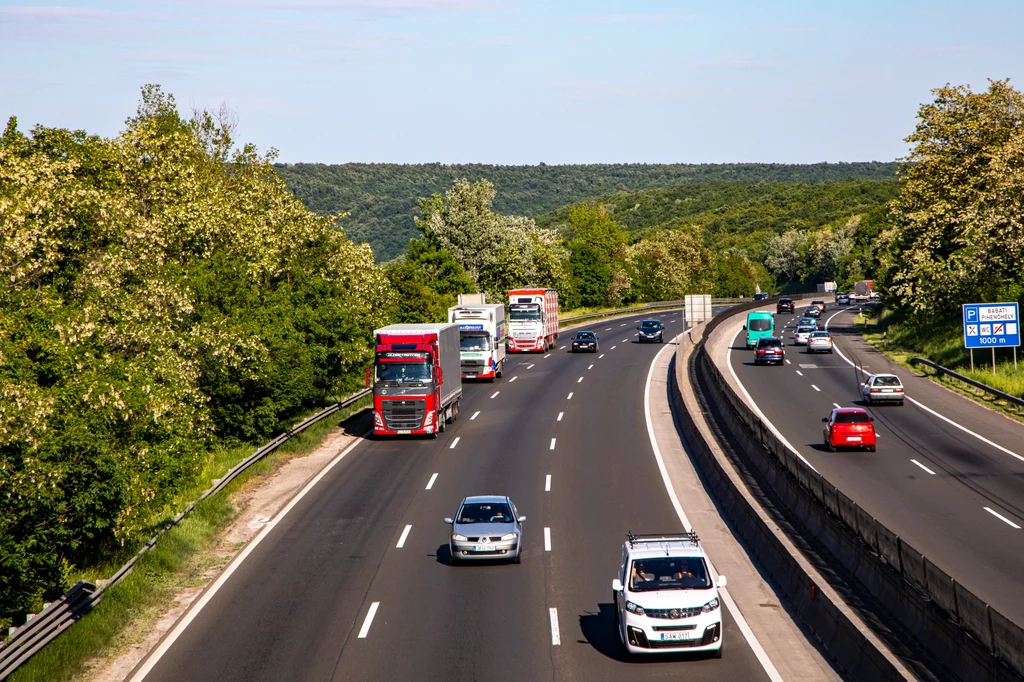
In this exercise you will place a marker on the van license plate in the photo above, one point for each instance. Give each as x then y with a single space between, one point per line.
665 636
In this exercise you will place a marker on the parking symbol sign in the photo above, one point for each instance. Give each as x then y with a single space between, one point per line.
991 325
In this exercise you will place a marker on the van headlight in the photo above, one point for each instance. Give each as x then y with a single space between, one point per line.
710 606
634 608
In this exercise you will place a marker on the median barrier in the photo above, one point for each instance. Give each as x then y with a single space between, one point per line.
954 627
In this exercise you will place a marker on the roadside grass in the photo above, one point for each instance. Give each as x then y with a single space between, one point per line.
943 344
181 559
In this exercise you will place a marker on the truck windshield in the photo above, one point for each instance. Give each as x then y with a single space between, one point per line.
403 372
524 312
475 342
668 573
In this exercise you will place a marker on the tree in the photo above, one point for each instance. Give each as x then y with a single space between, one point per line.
783 257
427 281
597 256
668 265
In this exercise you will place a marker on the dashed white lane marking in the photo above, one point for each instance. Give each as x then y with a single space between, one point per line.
547 539
995 514
455 442
614 347
789 362
591 367
836 404
530 367
512 379
816 388
556 639
495 395
600 356
608 329
363 631
625 340
547 483
799 372
923 467
561 348
552 443
430 483
570 396
560 416
401 540
579 380
623 324
548 355
475 415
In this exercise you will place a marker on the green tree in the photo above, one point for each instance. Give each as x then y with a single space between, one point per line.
427 281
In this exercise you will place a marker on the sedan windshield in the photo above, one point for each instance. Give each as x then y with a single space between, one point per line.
819 335
403 372
669 573
851 418
485 512
475 342
804 330
585 336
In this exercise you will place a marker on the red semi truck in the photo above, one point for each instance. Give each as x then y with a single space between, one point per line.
416 379
532 320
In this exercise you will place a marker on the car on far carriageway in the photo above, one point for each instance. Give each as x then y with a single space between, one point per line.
769 349
666 600
819 342
760 296
651 330
486 527
584 341
882 388
849 427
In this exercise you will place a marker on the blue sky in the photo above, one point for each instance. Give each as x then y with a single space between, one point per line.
514 81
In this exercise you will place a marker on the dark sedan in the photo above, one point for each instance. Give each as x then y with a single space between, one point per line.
651 330
584 341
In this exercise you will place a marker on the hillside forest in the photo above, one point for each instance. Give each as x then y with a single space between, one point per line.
163 293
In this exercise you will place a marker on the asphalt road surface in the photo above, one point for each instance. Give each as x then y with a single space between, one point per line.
329 595
954 497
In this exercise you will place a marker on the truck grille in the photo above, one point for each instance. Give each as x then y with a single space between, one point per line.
403 415
473 367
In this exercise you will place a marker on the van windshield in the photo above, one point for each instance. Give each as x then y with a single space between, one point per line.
759 324
669 573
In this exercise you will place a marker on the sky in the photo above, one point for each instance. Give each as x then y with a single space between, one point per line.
514 81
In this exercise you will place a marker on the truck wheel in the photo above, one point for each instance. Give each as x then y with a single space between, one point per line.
498 372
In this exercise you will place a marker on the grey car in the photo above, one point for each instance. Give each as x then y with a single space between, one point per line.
486 527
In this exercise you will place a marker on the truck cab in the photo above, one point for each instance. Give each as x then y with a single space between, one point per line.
482 339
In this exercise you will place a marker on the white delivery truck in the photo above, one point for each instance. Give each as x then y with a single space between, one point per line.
482 336
532 320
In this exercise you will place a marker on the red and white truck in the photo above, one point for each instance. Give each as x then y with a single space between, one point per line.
416 379
532 320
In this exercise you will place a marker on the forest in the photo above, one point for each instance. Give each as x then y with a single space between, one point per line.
381 199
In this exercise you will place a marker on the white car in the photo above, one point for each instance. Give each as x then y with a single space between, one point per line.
819 342
666 600
882 388
802 333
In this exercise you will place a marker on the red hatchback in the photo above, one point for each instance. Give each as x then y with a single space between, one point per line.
849 427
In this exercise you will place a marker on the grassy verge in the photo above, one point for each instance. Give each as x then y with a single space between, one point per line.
181 559
943 344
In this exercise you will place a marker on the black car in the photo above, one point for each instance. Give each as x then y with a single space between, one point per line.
769 349
785 305
760 296
813 311
584 341
651 330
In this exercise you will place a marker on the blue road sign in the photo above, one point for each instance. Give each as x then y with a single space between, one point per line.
991 325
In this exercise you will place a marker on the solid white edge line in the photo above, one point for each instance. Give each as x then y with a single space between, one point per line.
547 539
405 534
923 467
929 410
475 415
430 483
495 395
741 622
547 483
1000 517
455 442
556 638
205 598
363 631
757 410
552 443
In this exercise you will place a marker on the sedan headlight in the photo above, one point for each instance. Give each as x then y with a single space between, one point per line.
634 608
458 538
710 606
508 536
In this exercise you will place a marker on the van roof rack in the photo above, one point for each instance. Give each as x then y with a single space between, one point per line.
635 539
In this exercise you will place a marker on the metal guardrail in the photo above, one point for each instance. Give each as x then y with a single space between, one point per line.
45 626
967 380
649 306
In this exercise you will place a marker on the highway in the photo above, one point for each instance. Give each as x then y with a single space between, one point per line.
355 583
955 497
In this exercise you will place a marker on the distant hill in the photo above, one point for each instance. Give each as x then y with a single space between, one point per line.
381 198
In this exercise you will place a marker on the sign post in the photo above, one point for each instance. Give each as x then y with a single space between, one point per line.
991 325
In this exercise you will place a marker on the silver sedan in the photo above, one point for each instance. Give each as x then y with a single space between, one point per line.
819 342
486 527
